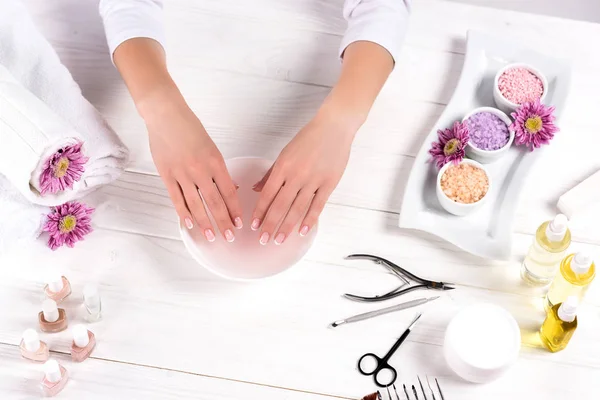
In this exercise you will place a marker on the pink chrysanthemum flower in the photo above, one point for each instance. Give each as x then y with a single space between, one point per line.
68 224
450 146
63 169
534 125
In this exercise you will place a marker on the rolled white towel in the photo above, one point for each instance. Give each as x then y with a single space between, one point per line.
21 222
582 197
47 114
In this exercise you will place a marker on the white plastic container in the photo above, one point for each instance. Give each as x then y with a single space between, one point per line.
482 342
488 156
506 105
453 207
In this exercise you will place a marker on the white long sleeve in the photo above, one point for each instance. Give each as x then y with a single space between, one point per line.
128 19
380 21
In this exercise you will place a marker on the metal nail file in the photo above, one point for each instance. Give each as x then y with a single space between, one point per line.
376 313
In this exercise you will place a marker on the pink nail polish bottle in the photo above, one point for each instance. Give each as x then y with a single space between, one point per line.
58 288
52 319
55 378
84 342
32 347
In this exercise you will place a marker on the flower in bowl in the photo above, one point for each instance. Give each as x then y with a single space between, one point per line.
534 125
451 144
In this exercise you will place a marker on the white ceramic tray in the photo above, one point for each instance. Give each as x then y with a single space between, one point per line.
487 231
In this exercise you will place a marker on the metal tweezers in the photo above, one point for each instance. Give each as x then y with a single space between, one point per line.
402 274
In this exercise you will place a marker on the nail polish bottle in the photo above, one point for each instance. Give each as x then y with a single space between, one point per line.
52 319
58 288
84 342
92 303
32 347
55 378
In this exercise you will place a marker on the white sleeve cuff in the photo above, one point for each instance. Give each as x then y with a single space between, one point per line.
128 19
379 21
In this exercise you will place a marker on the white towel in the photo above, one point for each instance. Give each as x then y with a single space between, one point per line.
21 222
582 197
53 114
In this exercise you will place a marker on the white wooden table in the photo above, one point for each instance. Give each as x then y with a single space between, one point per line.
255 72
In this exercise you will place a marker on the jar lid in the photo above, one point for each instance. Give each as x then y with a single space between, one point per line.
482 341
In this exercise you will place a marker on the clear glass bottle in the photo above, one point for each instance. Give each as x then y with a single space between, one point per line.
576 273
92 303
32 348
552 240
55 378
560 324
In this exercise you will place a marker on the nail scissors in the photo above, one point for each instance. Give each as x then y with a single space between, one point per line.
371 364
402 274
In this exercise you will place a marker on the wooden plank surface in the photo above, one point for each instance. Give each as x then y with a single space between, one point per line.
255 72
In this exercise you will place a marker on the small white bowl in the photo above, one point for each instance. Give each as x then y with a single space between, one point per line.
509 106
452 206
482 342
488 156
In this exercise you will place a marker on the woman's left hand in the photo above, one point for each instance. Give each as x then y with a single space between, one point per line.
302 178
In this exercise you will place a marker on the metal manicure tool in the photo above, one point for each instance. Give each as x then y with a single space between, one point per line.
376 313
402 274
383 373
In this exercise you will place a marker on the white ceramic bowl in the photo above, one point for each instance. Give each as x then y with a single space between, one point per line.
452 206
488 156
246 258
481 342
506 105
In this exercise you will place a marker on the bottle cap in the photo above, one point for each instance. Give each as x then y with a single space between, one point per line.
31 340
581 263
50 310
52 371
80 335
557 228
55 283
568 309
91 296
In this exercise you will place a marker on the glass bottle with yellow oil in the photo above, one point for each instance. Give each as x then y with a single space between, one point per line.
552 239
577 271
560 324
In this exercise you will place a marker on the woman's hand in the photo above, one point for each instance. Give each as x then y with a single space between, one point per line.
188 161
302 178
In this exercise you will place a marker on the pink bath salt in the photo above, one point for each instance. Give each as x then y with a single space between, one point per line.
465 183
519 85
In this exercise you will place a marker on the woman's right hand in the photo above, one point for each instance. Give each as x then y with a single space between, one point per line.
188 161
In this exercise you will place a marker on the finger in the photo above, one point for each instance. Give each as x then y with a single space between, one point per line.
228 190
267 195
277 212
316 207
258 186
298 209
216 205
195 205
178 200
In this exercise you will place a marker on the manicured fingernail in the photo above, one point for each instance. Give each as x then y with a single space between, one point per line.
229 236
210 235
264 238
304 230
188 223
280 238
255 224
238 223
